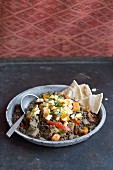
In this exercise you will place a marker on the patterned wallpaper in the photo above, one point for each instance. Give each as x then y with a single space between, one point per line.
34 28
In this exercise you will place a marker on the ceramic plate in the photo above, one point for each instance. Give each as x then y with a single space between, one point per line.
43 89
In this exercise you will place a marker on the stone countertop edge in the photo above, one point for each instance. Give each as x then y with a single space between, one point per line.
21 60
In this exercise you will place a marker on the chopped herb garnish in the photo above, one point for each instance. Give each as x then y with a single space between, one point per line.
52 113
60 97
58 104
51 99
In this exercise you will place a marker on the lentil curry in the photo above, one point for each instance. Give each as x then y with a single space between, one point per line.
56 116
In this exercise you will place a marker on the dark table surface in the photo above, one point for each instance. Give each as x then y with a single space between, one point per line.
18 154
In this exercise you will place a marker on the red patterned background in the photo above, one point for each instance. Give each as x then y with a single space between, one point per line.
32 28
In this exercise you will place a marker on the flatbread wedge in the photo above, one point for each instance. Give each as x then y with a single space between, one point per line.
93 102
85 90
73 91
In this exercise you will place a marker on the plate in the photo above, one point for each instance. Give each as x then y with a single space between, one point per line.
44 89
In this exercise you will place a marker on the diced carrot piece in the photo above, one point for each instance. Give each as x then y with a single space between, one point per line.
85 131
87 108
55 137
76 106
45 96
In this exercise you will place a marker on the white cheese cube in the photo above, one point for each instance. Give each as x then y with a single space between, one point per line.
48 117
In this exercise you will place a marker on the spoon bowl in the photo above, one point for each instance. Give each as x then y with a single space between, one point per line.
25 101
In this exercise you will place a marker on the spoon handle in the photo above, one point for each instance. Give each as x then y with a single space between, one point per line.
14 127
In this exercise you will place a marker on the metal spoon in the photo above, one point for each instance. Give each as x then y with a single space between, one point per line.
25 101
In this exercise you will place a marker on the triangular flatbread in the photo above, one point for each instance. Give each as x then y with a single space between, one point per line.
93 102
85 90
73 91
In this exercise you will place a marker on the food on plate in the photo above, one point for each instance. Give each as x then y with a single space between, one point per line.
62 115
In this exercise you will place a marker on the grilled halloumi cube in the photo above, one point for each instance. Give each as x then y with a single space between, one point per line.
46 110
68 110
48 117
78 116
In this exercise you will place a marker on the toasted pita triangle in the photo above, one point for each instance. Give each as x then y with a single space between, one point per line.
73 91
85 90
93 102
